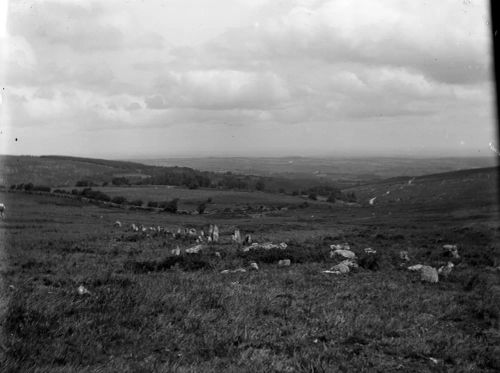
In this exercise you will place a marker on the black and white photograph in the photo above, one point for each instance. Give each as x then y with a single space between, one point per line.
249 186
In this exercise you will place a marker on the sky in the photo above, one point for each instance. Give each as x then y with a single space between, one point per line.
163 78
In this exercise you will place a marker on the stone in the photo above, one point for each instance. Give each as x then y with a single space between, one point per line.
284 263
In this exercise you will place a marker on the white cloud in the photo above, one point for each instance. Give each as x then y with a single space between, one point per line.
324 65
221 89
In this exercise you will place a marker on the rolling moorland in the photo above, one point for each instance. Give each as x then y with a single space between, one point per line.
149 310
61 171
344 171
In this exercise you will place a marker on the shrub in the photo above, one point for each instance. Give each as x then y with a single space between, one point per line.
351 197
41 188
260 185
84 183
136 202
331 198
153 204
102 196
95 194
201 208
28 186
370 262
119 200
313 196
75 192
86 192
171 206
120 181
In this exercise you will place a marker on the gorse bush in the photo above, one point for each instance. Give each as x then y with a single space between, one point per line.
94 194
119 200
201 208
41 188
85 183
136 202
171 206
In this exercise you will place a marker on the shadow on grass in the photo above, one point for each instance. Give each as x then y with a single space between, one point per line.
193 262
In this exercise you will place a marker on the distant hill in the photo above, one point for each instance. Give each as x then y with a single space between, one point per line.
63 171
463 188
343 171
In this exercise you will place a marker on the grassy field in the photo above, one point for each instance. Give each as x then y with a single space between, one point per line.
148 311
470 188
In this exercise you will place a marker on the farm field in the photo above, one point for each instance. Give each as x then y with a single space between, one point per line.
150 311
191 198
335 168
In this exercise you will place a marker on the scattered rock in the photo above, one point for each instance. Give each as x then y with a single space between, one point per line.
237 236
403 255
338 269
254 266
237 270
429 274
284 263
340 246
451 250
265 246
194 250
213 233
344 253
446 270
176 251
82 290
434 360
416 267
342 268
369 250
118 224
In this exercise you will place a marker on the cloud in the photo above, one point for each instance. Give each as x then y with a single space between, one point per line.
80 26
134 106
221 90
155 102
384 33
324 65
